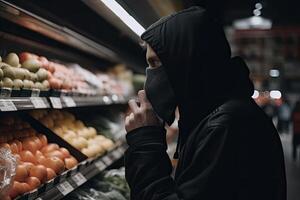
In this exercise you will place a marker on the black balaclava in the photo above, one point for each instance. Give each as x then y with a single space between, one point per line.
196 55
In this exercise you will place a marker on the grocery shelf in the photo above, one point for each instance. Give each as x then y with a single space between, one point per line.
67 182
8 104
22 103
78 101
54 31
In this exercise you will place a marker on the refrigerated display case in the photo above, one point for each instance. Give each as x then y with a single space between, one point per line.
63 96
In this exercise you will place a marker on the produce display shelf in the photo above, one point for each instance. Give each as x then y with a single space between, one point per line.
23 103
67 182
54 31
77 101
8 104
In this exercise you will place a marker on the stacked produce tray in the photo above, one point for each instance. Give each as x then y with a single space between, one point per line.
46 68
8 104
73 178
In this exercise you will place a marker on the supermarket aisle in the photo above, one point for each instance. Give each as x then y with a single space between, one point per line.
292 169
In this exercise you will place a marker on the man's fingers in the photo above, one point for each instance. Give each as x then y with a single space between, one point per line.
131 116
133 106
143 98
127 121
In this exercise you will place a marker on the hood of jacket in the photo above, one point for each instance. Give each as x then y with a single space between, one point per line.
192 46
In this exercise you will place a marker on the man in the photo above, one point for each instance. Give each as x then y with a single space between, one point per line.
228 148
296 129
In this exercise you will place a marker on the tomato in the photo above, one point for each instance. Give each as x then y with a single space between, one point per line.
25 56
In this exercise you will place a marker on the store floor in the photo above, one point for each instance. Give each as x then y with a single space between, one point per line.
292 169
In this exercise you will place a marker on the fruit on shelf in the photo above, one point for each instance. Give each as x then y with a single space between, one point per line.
12 59
27 84
38 161
8 71
28 75
1 74
18 84
39 171
7 82
32 65
42 74
74 132
26 56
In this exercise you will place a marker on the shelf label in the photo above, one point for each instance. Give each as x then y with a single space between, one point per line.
38 102
107 160
5 92
65 188
100 165
116 154
69 101
7 105
56 103
35 92
79 179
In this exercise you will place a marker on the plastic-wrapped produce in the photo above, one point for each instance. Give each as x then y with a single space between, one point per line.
8 165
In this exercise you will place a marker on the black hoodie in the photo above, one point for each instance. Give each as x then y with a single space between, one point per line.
228 148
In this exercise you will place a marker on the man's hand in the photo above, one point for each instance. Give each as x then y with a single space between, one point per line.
142 115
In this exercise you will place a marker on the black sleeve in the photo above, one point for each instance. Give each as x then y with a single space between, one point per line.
148 166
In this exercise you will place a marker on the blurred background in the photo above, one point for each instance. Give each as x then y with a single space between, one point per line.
105 33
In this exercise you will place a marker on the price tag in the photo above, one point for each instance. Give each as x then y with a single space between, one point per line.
79 179
116 154
7 105
69 101
35 92
38 102
5 92
100 165
56 103
107 160
65 188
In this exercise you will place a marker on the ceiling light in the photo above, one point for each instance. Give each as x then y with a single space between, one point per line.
254 22
275 94
258 6
274 73
257 12
118 10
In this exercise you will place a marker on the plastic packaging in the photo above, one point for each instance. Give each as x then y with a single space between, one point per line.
8 165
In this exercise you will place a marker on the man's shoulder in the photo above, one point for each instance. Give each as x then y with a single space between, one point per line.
234 112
